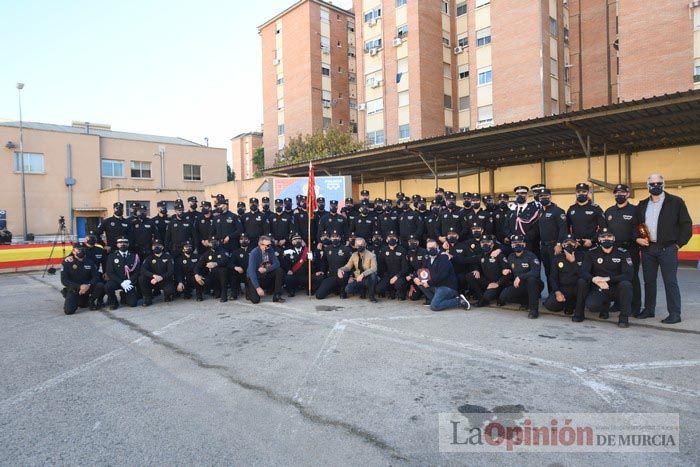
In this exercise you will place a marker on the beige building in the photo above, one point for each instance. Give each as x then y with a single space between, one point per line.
308 72
106 166
243 149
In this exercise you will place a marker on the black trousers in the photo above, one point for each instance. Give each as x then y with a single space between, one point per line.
547 256
367 285
331 284
73 299
112 286
218 280
528 294
478 287
654 257
399 287
570 296
191 284
269 281
167 286
235 279
598 300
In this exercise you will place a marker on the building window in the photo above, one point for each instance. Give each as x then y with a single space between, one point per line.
351 26
567 73
485 76
463 129
351 51
352 78
375 106
373 15
448 130
192 172
280 79
112 168
325 44
280 104
352 103
555 107
445 7
400 3
402 31
325 69
696 75
280 129
446 38
326 123
482 3
554 67
566 35
280 142
326 98
325 16
696 18
403 98
279 29
33 163
464 103
373 78
483 37
463 40
140 169
375 138
402 66
373 44
446 70
447 101
461 8
553 26
485 114
463 71
404 132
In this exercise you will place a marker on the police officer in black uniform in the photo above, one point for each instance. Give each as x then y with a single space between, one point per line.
185 270
431 223
295 262
388 219
585 218
524 271
501 217
564 276
481 216
95 253
553 230
410 222
255 223
122 273
487 281
319 214
415 256
157 273
204 228
301 216
364 225
349 211
161 221
606 277
333 221
281 224
461 259
392 267
143 232
213 269
228 227
523 219
180 230
238 266
81 281
265 207
192 215
451 219
335 256
114 227
240 209
376 242
622 220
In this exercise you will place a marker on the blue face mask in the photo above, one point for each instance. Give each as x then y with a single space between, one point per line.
519 248
581 198
607 243
545 201
335 241
656 190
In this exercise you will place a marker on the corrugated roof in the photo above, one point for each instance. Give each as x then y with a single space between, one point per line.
103 133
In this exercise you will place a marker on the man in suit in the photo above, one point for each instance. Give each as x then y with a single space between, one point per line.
441 287
670 227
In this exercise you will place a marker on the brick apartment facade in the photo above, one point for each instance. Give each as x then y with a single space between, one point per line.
243 149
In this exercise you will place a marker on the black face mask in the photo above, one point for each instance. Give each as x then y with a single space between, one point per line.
287 207
187 251
435 209
296 244
193 205
620 199
245 243
392 242
581 198
253 207
438 198
467 204
476 235
486 247
656 190
123 248
607 243
321 207
363 211
240 211
569 248
377 241
278 209
157 250
163 210
451 240
90 241
433 251
361 249
266 207
503 204
451 205
412 246
421 207
335 241
326 241
178 214
80 254
545 201
119 212
490 205
214 244
519 248
520 199
302 205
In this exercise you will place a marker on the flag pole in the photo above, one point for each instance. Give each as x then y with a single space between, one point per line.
308 232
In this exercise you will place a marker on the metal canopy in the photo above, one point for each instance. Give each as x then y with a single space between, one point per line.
654 123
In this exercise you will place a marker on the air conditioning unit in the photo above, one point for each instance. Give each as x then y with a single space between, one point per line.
397 41
372 22
568 102
459 49
361 106
373 51
694 4
276 61
325 50
377 83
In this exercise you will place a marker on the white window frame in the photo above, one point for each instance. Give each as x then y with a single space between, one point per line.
463 40
280 79
553 67
372 77
484 121
445 7
402 66
326 97
372 15
325 16
113 162
374 43
480 3
483 36
191 178
459 104
371 138
406 127
463 71
483 71
280 103
461 5
280 129
139 166
375 106
31 160
400 3
325 66
403 98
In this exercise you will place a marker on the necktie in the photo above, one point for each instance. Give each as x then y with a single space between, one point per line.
360 266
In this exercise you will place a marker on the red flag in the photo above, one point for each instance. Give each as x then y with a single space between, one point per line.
311 195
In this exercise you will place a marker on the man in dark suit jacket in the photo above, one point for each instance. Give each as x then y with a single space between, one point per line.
670 227
441 287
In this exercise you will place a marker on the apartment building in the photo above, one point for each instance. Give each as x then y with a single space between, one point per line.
243 149
78 171
308 72
433 67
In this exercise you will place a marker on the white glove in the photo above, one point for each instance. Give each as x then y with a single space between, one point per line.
310 256
126 285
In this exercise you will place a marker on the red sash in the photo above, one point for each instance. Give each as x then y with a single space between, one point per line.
302 259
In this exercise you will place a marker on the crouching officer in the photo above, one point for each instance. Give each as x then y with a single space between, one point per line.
393 268
295 261
564 276
157 272
487 282
81 281
212 270
185 270
524 271
415 256
334 257
122 273
606 276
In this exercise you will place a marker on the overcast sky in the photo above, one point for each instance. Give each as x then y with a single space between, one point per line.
176 68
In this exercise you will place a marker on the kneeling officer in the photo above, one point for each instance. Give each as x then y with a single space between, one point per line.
81 280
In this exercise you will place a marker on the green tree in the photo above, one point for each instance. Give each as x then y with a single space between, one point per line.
259 161
332 142
230 174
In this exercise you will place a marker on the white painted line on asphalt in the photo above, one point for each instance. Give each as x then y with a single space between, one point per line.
646 365
650 384
56 380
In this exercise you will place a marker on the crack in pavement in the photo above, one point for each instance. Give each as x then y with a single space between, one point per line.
225 372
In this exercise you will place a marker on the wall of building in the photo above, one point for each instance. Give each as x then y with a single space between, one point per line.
240 190
242 151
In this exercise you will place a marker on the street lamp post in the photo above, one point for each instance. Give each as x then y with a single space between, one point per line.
20 86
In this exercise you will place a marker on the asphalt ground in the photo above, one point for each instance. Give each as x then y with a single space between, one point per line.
332 382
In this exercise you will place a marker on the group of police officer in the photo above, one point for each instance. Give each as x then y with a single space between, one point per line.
497 246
